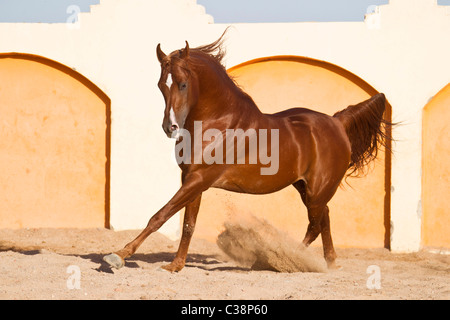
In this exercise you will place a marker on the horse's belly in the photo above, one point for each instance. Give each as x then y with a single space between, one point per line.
251 181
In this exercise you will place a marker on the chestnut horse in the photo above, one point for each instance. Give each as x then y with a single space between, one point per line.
314 151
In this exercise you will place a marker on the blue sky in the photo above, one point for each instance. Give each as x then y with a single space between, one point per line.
223 11
39 10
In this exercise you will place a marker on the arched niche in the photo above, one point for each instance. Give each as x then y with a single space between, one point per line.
54 146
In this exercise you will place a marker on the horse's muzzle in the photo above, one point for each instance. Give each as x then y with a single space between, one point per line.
171 130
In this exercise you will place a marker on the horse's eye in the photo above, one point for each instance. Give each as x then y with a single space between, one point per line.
183 86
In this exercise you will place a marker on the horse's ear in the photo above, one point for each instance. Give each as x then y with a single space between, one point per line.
161 55
185 52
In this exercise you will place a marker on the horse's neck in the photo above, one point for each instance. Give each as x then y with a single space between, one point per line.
226 100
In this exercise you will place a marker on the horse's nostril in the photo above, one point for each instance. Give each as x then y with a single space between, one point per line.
173 127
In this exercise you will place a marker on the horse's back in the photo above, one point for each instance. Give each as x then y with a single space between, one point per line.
301 115
315 120
327 143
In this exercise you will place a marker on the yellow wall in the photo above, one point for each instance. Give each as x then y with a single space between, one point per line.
436 171
54 146
357 212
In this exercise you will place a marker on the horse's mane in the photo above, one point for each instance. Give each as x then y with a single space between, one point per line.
214 53
214 49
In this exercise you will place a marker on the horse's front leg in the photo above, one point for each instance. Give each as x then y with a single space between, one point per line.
190 217
191 190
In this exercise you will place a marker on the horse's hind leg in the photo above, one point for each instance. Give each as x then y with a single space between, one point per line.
190 217
327 241
319 222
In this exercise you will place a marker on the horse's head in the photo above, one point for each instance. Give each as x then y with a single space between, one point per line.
178 87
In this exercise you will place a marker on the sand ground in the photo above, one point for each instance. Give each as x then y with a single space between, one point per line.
67 264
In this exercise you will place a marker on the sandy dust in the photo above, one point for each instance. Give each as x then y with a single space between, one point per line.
47 264
255 243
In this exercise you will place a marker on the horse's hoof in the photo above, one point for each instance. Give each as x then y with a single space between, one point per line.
333 266
161 269
171 268
114 260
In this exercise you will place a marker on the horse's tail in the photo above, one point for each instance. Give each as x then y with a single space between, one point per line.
364 124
